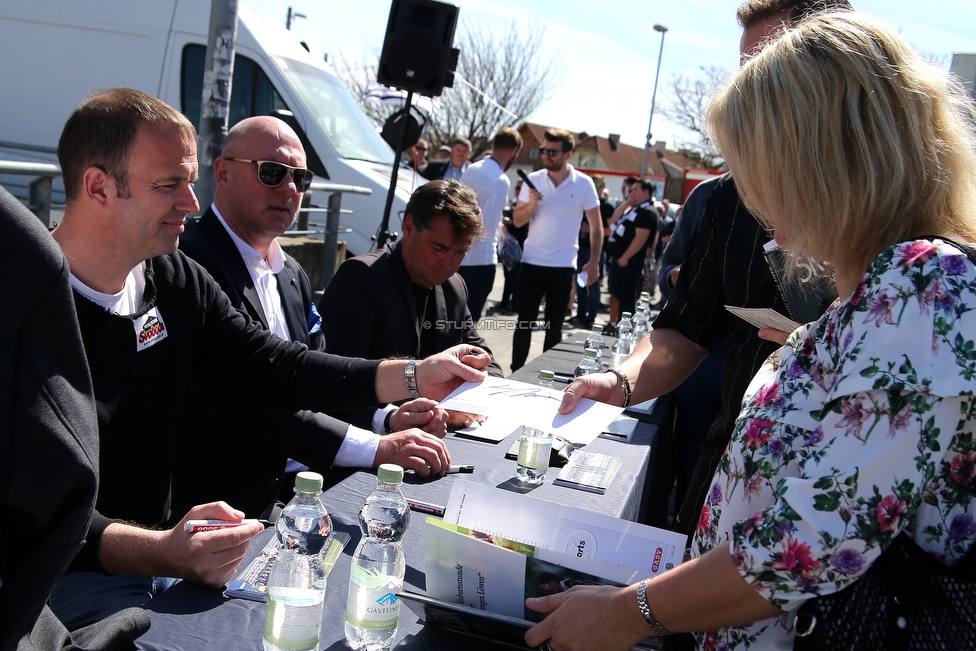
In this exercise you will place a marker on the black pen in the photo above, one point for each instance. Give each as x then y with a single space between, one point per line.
453 470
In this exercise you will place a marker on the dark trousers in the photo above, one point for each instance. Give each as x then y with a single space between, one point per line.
587 298
535 283
511 279
479 279
625 282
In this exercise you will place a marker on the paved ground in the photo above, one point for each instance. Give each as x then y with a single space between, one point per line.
497 329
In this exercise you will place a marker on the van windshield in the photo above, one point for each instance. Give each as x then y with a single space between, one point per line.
345 125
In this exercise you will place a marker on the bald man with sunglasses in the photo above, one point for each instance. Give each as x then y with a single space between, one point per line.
260 178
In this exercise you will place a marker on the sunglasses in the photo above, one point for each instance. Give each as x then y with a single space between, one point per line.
271 173
551 153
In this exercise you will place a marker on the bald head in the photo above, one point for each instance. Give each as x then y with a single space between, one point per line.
256 212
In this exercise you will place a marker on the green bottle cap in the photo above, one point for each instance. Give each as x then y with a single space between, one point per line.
589 352
308 482
597 329
626 315
390 473
547 376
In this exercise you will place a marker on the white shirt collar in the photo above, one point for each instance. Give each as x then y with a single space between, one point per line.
276 256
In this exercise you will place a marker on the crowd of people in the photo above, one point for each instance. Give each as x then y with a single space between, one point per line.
139 344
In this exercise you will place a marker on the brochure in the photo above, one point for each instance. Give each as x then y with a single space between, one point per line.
509 404
491 573
564 529
588 471
252 582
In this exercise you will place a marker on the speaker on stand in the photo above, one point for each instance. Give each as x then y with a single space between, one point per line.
418 56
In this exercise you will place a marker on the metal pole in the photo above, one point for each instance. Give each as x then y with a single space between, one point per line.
218 72
331 238
647 144
384 235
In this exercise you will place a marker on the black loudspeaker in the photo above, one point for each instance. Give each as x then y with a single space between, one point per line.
393 128
418 52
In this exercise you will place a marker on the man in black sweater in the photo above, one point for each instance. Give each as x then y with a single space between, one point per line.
155 326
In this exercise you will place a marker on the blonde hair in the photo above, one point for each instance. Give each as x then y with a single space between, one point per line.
842 128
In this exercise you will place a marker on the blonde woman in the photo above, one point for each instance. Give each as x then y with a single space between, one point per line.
857 151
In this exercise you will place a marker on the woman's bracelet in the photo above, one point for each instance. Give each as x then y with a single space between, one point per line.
623 378
646 611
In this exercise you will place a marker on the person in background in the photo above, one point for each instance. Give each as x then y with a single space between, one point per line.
418 158
860 429
588 297
554 212
236 242
519 233
449 169
488 179
633 231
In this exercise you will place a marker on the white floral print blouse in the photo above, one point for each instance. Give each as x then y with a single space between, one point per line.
860 427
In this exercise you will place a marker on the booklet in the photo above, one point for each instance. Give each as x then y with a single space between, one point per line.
564 529
588 471
485 572
252 582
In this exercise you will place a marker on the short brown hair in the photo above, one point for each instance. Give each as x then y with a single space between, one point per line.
507 138
563 136
101 131
753 11
447 197
460 140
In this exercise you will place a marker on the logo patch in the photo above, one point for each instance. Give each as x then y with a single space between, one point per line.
150 329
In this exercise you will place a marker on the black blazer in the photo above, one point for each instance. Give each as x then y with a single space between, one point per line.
369 310
248 479
48 437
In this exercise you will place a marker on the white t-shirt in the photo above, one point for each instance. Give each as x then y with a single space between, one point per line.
553 239
490 183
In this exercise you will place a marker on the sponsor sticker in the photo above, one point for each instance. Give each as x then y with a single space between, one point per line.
150 329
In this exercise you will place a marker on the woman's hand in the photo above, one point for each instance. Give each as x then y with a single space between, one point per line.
601 618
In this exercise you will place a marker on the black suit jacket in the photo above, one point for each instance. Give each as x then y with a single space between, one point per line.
369 310
210 463
48 438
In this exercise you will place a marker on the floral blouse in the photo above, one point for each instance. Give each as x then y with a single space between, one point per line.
860 427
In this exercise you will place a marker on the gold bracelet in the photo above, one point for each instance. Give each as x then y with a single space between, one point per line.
623 378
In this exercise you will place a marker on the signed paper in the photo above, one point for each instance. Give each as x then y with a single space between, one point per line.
764 317
509 404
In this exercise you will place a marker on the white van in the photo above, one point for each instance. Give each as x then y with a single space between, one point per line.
56 52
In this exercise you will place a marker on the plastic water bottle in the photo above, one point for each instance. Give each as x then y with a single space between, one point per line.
373 608
588 364
596 342
535 447
640 322
296 586
625 334
546 378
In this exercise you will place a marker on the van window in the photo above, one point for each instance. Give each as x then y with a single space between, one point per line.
351 133
252 93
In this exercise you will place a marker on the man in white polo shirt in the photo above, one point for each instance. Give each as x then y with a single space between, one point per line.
554 211
488 179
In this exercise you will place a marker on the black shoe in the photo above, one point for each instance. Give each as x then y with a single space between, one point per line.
610 330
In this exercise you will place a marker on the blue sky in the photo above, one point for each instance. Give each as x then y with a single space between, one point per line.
609 48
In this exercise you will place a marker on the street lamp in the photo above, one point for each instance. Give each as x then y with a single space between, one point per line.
647 145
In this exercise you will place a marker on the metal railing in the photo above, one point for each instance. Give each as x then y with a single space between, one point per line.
39 190
39 202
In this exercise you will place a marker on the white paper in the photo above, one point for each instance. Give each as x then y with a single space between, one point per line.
563 529
509 404
764 317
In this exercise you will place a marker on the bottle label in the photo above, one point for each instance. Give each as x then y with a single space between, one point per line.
373 602
534 452
293 618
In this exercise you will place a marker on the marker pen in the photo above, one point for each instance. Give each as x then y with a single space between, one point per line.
453 470
194 526
425 507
